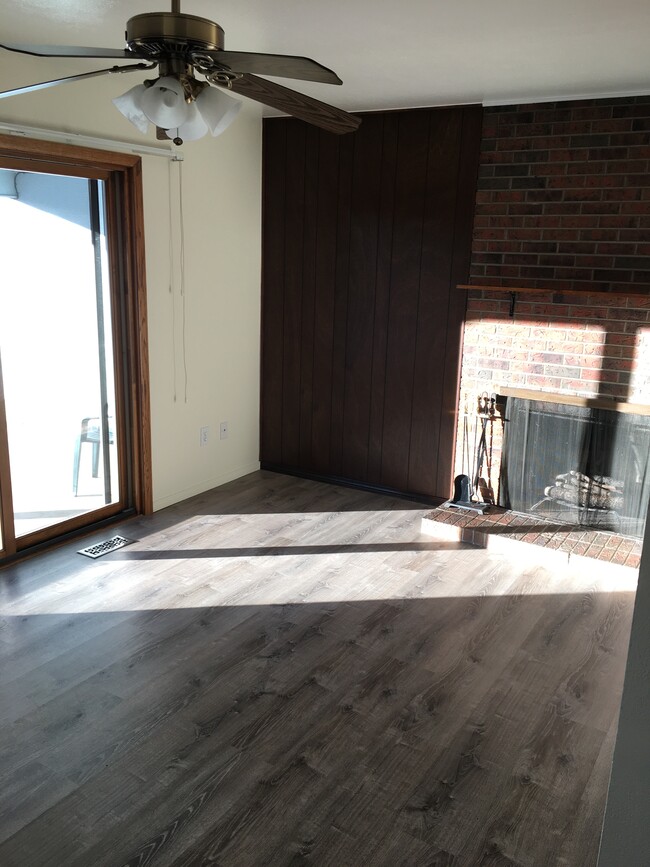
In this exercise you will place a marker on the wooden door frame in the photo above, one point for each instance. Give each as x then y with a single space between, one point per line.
122 174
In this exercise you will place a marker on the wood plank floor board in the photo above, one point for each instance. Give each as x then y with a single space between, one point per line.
600 669
94 656
443 694
319 827
121 733
60 720
549 776
59 835
579 647
33 577
51 635
189 651
152 823
253 828
401 850
521 708
579 843
124 649
282 672
27 792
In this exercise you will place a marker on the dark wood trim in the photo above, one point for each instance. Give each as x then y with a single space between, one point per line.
50 153
8 541
136 334
52 168
65 537
558 294
121 344
68 527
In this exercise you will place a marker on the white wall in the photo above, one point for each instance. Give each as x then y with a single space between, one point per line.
218 318
626 833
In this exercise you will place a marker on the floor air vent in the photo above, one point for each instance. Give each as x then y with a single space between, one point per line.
105 547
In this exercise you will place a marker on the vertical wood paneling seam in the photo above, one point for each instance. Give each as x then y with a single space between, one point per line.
262 385
284 289
347 302
417 309
313 323
302 292
333 289
452 260
336 258
374 312
388 300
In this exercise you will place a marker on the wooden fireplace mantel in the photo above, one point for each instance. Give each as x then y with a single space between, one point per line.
549 290
576 400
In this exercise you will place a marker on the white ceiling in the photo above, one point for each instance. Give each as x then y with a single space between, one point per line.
393 54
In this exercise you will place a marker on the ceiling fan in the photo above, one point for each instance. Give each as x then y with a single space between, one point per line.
181 106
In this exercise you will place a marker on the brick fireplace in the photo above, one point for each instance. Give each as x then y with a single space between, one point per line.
558 304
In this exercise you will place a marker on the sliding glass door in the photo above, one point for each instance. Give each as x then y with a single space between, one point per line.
56 342
68 353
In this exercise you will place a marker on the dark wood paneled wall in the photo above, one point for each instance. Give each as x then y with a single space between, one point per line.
365 238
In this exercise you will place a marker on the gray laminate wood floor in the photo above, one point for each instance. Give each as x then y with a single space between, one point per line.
282 672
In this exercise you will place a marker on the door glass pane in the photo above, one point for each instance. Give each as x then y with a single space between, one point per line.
56 343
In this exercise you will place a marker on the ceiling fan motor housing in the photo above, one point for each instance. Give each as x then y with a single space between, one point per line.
160 35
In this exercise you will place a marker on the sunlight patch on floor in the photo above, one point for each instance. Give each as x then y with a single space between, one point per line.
119 583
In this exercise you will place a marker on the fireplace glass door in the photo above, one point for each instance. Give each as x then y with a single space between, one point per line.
578 464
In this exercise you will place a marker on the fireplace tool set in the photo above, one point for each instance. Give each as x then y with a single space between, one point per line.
468 488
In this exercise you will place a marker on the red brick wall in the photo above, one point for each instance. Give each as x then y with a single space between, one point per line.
564 196
574 343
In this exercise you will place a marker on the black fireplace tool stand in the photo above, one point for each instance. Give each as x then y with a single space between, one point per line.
464 486
462 497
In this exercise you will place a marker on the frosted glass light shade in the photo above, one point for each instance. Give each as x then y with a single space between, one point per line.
194 127
130 105
217 109
164 103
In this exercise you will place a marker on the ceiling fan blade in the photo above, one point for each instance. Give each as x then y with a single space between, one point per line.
29 88
282 65
68 51
296 104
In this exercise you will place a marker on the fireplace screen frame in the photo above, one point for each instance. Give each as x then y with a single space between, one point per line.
550 449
